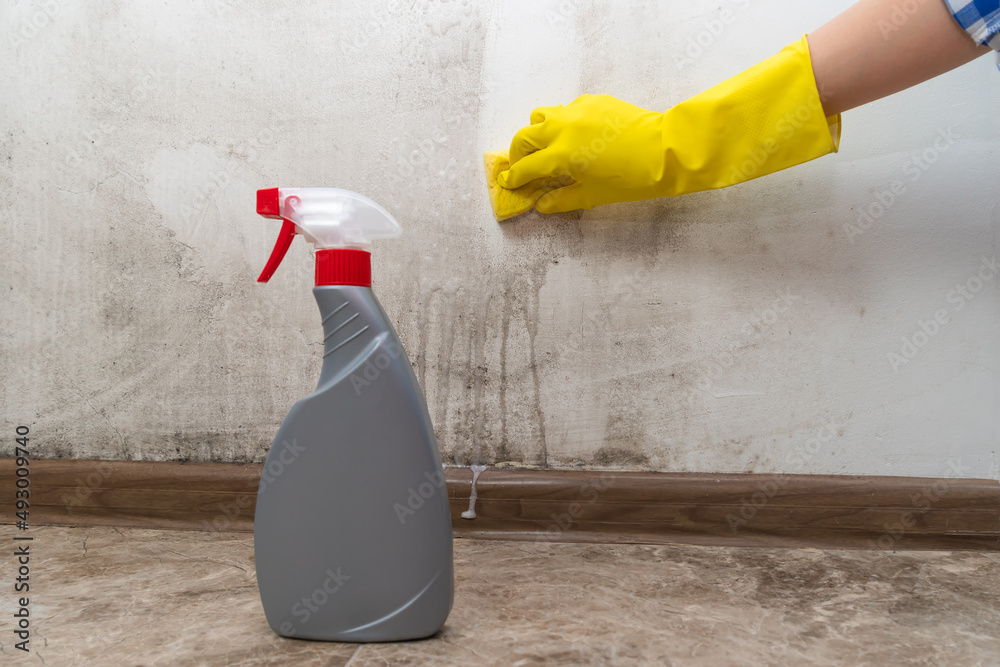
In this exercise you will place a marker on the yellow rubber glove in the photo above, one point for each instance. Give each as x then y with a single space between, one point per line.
603 150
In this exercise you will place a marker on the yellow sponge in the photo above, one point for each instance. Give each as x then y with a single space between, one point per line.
508 203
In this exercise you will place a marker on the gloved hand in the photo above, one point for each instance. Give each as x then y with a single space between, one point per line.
603 150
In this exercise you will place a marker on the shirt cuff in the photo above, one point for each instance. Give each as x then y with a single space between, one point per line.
979 18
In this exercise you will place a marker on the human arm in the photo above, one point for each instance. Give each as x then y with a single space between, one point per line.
875 48
782 112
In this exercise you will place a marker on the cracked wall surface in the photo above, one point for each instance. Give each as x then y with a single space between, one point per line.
745 330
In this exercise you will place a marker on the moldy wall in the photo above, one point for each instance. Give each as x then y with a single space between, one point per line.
740 330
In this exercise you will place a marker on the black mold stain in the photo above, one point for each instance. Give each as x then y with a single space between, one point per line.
619 456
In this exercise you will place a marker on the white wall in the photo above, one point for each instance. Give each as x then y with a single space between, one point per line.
635 335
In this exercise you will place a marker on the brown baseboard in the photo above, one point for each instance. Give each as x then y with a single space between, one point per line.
556 505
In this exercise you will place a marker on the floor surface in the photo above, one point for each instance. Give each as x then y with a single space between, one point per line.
110 596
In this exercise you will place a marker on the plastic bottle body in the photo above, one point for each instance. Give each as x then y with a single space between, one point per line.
352 532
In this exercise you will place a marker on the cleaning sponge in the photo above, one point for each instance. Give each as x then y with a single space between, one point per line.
508 203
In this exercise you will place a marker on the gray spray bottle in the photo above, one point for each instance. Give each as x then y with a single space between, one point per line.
352 532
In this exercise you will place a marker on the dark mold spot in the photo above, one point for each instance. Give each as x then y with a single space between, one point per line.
619 456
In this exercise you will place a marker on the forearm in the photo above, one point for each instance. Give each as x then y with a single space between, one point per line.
875 49
779 113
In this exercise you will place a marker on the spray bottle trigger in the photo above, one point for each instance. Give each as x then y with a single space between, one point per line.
280 248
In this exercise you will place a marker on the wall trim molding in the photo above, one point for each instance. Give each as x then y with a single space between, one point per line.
827 511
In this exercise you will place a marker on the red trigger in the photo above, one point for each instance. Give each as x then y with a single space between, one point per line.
280 248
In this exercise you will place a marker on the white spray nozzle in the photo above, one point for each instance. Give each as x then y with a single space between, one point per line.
333 218
328 217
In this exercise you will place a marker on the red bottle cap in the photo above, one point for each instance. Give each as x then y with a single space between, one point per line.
344 266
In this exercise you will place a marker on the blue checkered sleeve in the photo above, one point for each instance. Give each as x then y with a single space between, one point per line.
979 18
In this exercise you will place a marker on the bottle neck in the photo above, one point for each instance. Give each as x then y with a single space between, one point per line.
352 320
344 266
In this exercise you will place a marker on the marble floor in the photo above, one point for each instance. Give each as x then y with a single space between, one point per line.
117 596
